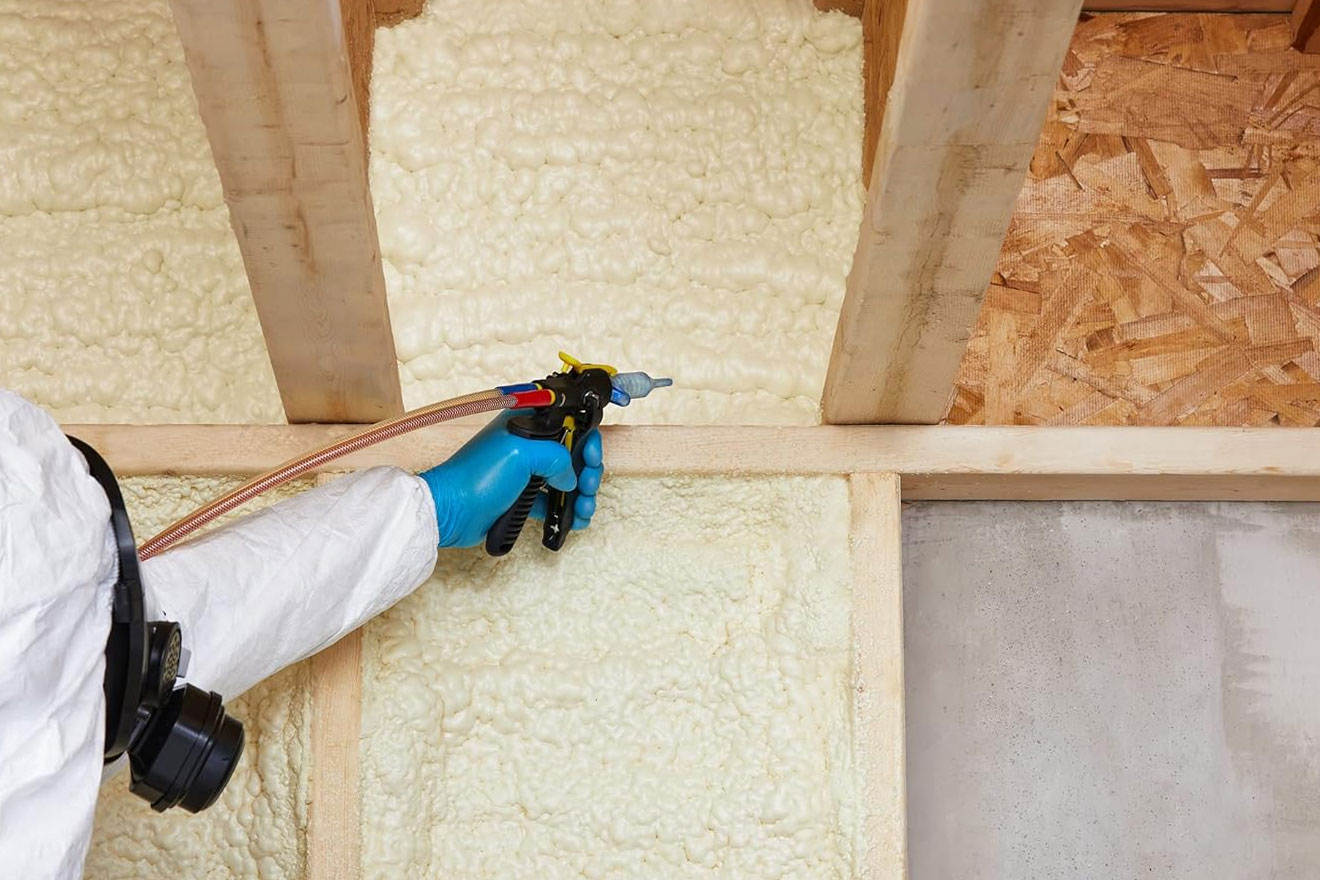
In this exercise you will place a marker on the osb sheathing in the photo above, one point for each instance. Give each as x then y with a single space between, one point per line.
1161 266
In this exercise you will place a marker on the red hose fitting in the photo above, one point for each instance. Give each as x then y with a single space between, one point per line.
539 397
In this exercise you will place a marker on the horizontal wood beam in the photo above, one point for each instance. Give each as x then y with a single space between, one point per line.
1188 6
971 84
856 7
274 85
935 462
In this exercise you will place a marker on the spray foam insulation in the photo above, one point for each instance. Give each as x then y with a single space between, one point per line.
1163 265
122 293
256 829
674 187
667 697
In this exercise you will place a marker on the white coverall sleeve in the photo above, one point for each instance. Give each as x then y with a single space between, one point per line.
281 584
57 573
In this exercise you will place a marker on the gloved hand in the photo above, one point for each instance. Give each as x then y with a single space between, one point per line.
483 479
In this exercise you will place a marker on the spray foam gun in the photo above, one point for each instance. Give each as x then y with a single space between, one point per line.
565 406
579 394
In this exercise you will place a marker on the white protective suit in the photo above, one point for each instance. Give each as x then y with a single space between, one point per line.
252 598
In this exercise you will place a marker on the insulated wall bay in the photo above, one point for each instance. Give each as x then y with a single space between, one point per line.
670 696
1113 689
673 187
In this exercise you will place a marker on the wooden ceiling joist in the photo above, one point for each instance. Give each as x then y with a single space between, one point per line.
275 88
1306 26
972 82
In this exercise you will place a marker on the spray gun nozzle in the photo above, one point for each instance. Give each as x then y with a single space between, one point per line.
628 386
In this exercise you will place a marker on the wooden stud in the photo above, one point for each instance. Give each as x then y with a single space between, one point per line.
359 18
391 12
1305 24
936 462
334 823
882 25
275 90
877 612
971 86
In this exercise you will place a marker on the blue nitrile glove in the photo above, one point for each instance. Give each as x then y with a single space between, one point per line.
483 479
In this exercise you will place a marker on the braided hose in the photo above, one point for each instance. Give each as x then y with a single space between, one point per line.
434 414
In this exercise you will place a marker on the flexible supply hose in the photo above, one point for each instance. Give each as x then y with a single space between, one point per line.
467 405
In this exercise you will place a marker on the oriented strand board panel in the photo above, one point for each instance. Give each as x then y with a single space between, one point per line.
1162 266
668 697
1113 690
256 829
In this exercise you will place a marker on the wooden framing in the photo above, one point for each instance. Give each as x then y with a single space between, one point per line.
956 91
275 90
935 462
390 12
334 827
882 25
334 801
953 148
876 543
1305 25
1188 5
857 7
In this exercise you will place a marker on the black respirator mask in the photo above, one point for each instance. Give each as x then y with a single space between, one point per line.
181 745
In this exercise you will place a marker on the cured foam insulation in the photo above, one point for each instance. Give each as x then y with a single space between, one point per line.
669 696
674 187
122 291
670 186
256 829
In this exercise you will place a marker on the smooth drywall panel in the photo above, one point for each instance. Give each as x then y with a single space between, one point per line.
1113 690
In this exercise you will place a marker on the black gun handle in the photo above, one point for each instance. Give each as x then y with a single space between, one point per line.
560 508
504 533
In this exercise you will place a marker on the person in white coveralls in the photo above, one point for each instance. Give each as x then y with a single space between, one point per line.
248 599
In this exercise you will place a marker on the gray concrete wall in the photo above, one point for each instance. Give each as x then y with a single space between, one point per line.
1109 690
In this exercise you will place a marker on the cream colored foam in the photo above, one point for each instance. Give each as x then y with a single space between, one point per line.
256 829
668 697
122 293
669 186
672 187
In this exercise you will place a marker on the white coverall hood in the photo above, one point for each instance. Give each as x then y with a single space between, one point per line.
57 571
252 597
